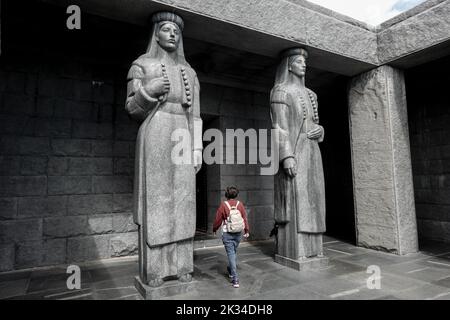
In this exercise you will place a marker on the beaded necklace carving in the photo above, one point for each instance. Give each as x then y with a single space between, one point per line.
187 88
313 104
164 72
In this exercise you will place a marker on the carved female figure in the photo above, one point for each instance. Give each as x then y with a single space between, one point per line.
163 94
299 187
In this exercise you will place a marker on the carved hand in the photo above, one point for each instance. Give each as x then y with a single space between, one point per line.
290 167
156 87
198 160
315 133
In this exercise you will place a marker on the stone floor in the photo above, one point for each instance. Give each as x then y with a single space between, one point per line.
425 275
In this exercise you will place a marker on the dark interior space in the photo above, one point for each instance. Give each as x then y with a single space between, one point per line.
336 156
202 186
428 101
201 201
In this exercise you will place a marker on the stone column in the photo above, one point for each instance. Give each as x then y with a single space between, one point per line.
381 160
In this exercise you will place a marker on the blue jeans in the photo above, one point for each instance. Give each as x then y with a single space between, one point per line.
231 242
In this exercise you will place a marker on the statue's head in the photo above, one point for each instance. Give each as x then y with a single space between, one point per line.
296 60
293 63
168 29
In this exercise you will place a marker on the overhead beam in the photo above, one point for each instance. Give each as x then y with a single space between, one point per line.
417 36
263 27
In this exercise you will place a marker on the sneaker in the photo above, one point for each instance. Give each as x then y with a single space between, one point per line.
236 284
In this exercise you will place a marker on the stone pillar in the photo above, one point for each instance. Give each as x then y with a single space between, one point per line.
381 160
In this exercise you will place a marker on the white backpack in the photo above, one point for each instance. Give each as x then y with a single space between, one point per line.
235 222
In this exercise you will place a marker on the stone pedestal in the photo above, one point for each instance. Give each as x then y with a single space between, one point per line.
302 265
382 174
168 289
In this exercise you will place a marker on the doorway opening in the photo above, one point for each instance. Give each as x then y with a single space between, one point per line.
206 179
331 90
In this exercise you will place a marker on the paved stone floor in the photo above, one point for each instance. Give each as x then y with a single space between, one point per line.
425 275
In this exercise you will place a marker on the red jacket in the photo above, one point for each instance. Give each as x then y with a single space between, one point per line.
223 212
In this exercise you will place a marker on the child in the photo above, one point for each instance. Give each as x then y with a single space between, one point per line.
231 239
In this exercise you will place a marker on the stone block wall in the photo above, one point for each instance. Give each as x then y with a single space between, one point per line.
240 109
429 118
66 165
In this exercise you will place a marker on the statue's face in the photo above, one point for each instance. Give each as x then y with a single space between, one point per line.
298 66
168 36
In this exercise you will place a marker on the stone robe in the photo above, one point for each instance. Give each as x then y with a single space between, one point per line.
299 202
164 192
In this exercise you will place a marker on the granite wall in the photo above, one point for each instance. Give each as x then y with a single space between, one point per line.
429 118
66 163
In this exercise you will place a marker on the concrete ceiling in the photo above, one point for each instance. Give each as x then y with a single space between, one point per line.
227 33
222 65
336 46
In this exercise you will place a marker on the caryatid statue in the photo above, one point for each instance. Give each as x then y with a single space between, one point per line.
163 94
299 204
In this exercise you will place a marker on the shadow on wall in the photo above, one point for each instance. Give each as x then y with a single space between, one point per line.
66 143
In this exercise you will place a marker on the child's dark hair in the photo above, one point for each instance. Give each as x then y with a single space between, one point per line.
231 192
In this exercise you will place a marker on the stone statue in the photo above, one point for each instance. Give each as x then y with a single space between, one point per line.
163 94
299 202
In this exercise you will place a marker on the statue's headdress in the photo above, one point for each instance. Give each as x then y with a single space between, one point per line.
294 52
168 16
